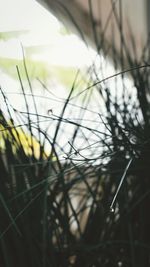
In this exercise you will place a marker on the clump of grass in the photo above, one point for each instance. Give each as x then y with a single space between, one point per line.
55 211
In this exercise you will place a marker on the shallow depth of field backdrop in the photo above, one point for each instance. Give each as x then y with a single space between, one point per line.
74 134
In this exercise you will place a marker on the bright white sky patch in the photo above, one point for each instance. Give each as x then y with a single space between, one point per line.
42 32
17 15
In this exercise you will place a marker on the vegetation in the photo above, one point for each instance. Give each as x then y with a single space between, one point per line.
55 203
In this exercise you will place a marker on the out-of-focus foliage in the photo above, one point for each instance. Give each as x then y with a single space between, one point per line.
55 209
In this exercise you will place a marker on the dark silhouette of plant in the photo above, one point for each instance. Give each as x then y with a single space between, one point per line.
90 207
